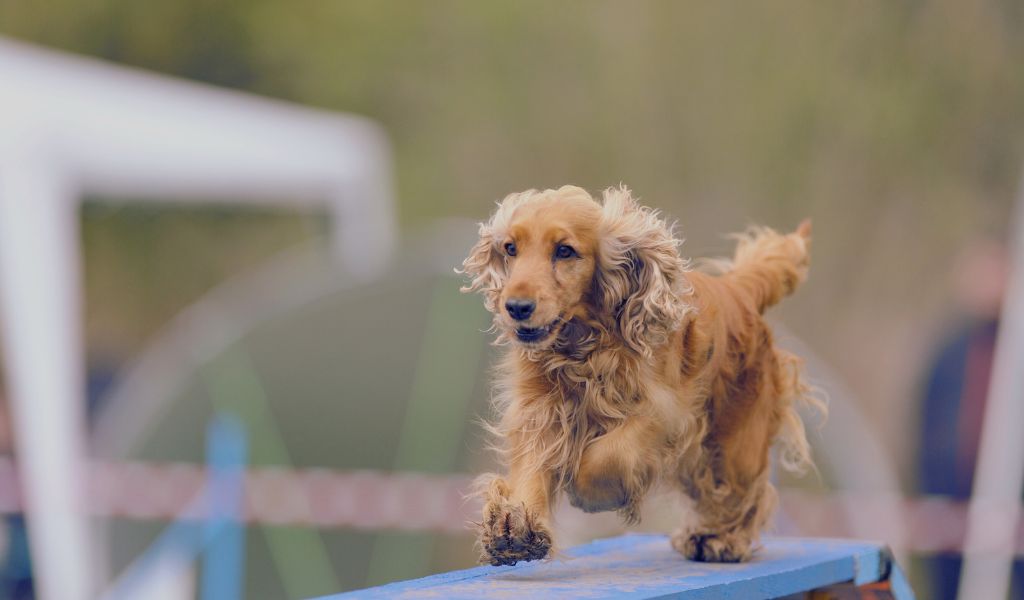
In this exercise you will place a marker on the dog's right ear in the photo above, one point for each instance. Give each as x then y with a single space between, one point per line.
487 266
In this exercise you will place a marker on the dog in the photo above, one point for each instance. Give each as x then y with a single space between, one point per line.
626 368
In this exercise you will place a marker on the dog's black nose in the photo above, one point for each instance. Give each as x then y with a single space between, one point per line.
520 309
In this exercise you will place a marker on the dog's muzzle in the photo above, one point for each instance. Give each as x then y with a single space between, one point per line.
531 335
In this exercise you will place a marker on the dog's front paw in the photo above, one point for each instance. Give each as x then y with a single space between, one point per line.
709 547
510 533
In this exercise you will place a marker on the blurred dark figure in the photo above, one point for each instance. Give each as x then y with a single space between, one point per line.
16 581
15 561
16 568
955 393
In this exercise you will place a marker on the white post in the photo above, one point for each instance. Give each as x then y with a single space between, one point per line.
40 310
363 233
995 503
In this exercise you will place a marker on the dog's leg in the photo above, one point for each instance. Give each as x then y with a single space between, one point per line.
731 487
616 470
727 528
516 516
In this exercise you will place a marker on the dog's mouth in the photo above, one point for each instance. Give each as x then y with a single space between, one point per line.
534 335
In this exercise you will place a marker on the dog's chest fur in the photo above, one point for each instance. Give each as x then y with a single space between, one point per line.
574 401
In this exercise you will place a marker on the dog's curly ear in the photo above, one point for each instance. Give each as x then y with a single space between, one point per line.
487 266
640 278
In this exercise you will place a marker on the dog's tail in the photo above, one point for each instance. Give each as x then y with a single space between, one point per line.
770 265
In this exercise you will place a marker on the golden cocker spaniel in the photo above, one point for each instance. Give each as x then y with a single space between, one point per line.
626 369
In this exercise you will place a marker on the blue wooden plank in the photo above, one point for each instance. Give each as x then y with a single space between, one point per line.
900 585
645 566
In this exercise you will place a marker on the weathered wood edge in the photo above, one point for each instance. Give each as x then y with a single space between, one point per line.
871 562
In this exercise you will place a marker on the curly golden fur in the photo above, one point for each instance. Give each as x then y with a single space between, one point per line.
626 368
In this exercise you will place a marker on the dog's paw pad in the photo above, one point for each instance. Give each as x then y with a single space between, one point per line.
510 534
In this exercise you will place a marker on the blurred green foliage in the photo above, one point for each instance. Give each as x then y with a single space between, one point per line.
722 113
749 103
144 262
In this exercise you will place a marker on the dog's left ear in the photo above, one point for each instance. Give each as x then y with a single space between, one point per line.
640 277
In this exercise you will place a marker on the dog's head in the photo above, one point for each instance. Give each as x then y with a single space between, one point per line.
551 257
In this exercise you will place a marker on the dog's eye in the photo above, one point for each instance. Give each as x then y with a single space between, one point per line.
563 251
510 249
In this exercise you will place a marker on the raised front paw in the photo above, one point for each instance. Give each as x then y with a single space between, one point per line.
510 533
709 547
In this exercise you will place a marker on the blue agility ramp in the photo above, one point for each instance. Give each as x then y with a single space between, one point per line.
645 566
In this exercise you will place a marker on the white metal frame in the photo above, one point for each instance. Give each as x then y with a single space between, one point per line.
995 509
71 126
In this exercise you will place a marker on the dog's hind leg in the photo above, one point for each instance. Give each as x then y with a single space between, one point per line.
727 527
731 487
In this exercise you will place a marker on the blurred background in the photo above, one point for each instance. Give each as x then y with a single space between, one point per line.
898 127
